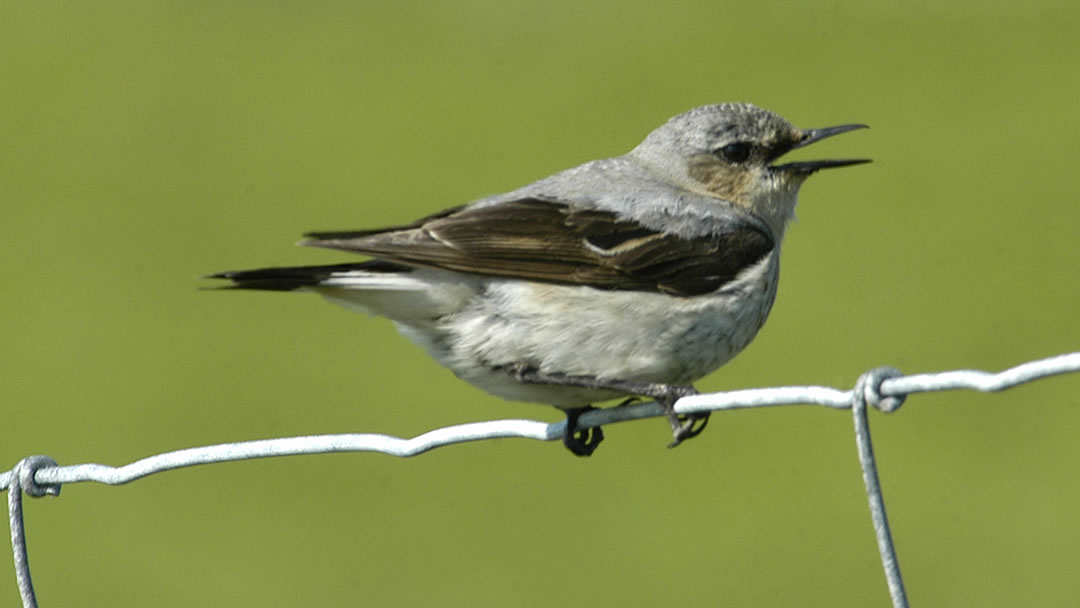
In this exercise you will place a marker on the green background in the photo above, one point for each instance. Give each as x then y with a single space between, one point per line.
145 144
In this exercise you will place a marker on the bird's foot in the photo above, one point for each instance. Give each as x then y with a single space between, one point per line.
685 426
582 442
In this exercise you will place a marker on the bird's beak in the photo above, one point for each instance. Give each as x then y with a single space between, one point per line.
809 136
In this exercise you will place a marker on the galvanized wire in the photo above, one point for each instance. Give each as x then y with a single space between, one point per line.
881 388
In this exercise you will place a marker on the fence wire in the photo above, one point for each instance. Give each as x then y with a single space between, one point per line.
882 388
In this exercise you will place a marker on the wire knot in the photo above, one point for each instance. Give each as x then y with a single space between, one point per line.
868 390
28 468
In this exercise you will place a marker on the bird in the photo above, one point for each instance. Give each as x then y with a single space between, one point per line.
621 278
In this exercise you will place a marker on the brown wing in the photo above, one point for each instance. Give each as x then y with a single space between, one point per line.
552 242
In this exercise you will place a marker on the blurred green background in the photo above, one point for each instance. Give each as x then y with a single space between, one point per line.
146 144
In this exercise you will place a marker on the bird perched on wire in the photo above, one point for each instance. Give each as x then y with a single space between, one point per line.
624 277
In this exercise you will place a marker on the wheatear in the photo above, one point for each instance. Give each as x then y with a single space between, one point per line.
628 276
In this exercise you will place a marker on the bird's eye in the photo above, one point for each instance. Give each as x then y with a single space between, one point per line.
736 152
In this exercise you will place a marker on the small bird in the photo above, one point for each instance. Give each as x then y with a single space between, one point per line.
623 277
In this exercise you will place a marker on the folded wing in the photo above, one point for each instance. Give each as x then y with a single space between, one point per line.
548 241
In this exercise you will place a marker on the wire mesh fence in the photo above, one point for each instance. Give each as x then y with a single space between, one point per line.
882 388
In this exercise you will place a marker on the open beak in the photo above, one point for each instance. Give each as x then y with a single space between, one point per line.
809 136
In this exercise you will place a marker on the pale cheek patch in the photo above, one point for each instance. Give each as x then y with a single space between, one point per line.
723 181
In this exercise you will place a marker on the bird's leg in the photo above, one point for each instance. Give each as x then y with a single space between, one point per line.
682 427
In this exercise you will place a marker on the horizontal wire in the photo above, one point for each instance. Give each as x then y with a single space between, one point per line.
528 429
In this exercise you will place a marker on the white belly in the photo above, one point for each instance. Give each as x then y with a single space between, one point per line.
645 337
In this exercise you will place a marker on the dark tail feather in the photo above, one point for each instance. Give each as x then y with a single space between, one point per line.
296 277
